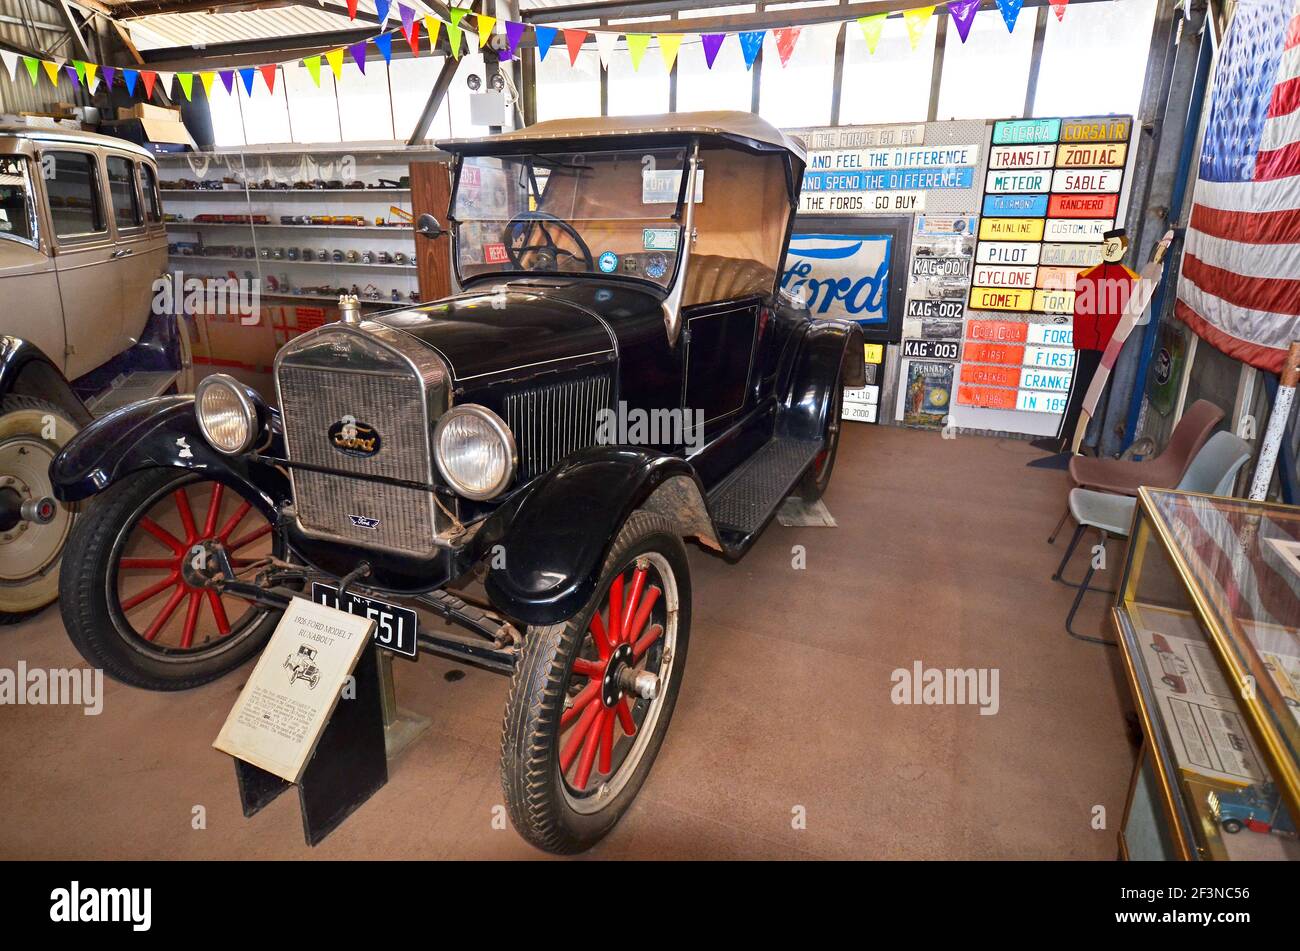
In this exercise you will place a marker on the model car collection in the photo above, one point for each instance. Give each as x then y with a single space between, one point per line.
420 452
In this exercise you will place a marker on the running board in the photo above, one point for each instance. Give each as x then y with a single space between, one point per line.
747 499
131 388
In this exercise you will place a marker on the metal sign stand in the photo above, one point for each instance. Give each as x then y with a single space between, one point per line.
401 727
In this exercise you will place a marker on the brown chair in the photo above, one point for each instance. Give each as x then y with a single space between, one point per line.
1124 476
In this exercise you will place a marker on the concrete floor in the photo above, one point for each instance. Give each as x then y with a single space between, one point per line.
939 557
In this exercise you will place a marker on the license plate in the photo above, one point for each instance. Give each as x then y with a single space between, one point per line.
395 626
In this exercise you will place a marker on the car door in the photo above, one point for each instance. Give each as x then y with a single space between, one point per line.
137 266
27 278
720 339
85 256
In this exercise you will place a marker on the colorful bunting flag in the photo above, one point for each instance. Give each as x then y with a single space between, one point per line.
33 68
433 28
227 80
10 60
408 19
247 74
187 85
384 43
963 15
313 67
605 43
453 30
90 69
1010 10
574 39
545 36
514 33
358 53
72 74
785 40
109 72
916 21
637 43
871 27
381 9
334 58
1058 7
165 80
148 77
79 68
207 79
129 77
352 9
51 70
485 24
712 42
669 44
751 42
268 74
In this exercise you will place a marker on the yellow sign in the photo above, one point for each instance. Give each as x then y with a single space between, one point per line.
1088 155
1054 302
873 352
1011 229
1096 129
1001 298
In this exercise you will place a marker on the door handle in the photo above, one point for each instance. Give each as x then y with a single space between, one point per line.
123 252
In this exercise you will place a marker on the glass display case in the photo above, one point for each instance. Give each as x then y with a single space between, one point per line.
1207 617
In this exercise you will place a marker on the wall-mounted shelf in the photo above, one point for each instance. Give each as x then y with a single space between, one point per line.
279 261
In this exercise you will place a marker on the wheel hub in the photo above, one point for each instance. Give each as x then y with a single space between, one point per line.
203 562
611 687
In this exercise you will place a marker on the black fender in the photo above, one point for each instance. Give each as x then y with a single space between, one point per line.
25 370
829 355
160 433
555 532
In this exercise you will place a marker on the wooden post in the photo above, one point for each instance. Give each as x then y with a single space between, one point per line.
1277 421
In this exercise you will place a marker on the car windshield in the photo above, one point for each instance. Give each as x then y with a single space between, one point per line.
604 213
17 211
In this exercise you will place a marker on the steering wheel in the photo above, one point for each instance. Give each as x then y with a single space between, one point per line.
548 253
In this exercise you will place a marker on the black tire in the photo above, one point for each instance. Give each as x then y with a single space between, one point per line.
817 479
1232 826
93 614
539 798
36 548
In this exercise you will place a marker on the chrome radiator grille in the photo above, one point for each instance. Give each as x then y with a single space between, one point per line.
388 400
550 422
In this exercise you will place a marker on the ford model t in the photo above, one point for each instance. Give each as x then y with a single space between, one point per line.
617 372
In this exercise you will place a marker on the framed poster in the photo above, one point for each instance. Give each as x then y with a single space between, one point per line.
851 268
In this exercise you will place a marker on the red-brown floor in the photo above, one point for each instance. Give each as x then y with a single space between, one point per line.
939 557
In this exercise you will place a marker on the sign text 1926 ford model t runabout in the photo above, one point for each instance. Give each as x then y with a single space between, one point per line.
616 373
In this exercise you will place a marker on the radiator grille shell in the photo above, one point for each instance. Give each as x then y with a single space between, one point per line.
552 421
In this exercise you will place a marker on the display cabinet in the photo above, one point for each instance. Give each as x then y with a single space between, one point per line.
1207 616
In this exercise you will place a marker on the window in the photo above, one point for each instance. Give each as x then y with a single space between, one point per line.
412 80
266 115
728 85
564 91
1095 61
121 189
227 119
986 77
637 92
893 85
314 108
72 182
149 189
365 109
799 93
17 208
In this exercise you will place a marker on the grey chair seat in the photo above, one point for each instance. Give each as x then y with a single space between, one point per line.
1113 514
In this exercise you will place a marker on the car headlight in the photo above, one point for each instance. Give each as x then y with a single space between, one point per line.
475 451
226 412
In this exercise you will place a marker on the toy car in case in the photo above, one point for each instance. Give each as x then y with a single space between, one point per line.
82 242
616 373
1258 808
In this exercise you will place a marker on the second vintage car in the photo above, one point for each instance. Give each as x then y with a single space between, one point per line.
616 373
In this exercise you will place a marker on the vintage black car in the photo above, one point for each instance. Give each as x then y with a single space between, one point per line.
617 372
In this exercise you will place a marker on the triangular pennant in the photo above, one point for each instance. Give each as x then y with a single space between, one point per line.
514 33
352 9
247 74
268 74
165 81
916 20
545 37
453 30
358 53
408 19
574 39
108 73
129 77
751 41
381 10
433 28
334 58
10 59
149 77
669 44
33 68
871 27
605 43
313 67
90 69
785 40
207 79
485 24
51 70
1010 10
963 15
412 33
228 80
384 43
637 44
712 42
1058 7
187 84
80 69
72 74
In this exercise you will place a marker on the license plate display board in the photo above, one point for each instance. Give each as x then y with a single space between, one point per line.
395 626
1052 189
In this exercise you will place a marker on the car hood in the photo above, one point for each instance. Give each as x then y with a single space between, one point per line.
515 327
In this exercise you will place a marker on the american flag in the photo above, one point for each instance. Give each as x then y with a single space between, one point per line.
1240 282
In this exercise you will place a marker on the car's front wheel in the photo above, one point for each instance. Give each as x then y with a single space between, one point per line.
133 598
591 698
